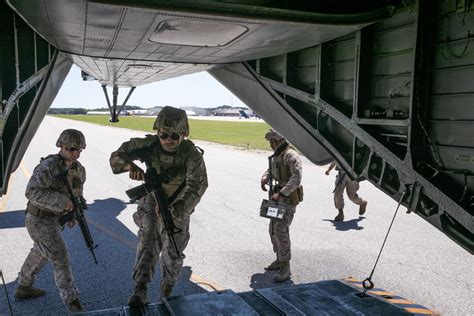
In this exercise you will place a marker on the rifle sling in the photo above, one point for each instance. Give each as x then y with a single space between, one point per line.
280 149
176 193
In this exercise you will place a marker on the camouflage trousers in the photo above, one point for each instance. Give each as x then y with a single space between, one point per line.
279 230
153 240
351 186
48 245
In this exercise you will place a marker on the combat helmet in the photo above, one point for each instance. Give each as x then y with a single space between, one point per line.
71 138
172 119
273 135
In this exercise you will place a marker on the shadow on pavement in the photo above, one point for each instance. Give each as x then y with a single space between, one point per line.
13 219
352 224
265 280
105 285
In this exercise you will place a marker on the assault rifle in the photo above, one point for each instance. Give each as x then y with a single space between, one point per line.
271 186
153 185
77 214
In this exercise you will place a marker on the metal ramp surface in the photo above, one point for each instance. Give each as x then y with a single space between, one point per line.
331 297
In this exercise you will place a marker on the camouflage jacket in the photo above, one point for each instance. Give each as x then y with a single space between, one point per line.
286 170
47 188
186 165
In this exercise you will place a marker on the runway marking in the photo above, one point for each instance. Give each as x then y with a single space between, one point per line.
400 301
380 293
25 171
201 282
4 198
3 202
112 234
421 311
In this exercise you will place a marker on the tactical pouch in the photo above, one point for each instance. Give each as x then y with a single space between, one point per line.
272 209
297 195
300 193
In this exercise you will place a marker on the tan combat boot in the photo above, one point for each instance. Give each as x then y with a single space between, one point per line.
139 297
284 274
363 208
166 290
274 266
76 307
24 292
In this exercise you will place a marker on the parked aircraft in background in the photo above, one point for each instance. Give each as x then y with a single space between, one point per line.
243 114
246 114
137 112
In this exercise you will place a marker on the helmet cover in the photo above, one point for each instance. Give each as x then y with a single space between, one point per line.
172 119
71 138
273 135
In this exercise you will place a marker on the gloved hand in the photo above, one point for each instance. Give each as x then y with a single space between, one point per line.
135 172
275 196
263 182
68 206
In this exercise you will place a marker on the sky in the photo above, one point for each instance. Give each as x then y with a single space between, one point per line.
199 89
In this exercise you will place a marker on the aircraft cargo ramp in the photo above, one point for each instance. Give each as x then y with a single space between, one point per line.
331 297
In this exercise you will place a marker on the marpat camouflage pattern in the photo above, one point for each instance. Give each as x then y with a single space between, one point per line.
47 192
186 164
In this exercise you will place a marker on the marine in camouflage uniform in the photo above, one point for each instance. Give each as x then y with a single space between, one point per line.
286 169
48 201
351 186
168 152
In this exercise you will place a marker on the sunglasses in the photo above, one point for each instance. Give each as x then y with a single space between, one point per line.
173 136
73 149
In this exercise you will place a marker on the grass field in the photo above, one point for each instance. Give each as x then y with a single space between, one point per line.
249 135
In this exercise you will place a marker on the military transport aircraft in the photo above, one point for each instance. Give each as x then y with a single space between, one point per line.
246 114
384 87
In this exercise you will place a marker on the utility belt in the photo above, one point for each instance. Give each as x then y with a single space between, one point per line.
36 211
